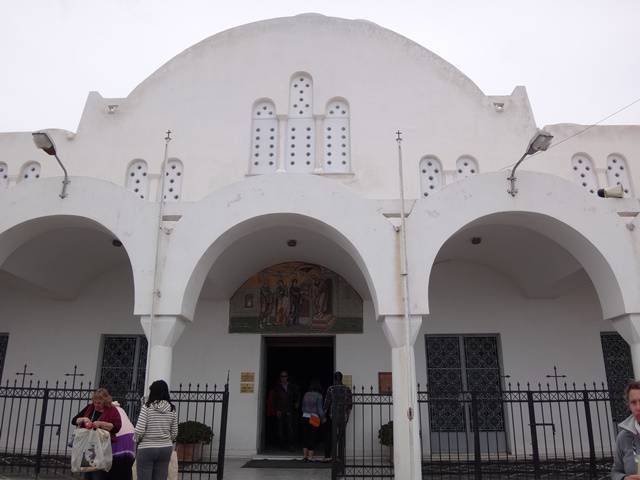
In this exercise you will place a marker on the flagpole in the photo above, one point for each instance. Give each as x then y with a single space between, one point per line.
155 294
404 273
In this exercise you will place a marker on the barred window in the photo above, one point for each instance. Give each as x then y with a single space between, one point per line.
4 341
123 364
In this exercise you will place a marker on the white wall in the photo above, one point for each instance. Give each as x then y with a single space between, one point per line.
51 336
535 334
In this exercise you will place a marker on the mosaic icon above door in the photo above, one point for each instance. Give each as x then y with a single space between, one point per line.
295 297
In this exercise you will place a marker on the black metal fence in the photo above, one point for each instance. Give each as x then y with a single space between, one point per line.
542 432
36 430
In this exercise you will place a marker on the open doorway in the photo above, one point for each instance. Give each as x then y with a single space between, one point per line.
305 359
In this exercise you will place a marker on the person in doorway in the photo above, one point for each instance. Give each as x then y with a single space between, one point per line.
337 405
155 433
627 454
102 414
286 399
312 417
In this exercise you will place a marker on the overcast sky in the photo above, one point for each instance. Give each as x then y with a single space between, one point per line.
579 59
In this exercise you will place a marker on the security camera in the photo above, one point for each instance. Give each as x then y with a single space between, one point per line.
611 192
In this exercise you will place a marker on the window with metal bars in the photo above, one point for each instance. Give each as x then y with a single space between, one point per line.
123 364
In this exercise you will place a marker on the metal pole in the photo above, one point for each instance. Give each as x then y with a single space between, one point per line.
66 180
407 304
512 178
155 295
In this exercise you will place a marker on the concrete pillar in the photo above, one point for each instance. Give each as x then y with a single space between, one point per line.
407 457
162 334
628 326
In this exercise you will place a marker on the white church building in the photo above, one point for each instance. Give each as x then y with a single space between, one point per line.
264 233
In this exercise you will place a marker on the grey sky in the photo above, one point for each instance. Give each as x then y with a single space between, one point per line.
579 59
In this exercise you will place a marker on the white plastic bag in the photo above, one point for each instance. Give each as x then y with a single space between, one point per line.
91 450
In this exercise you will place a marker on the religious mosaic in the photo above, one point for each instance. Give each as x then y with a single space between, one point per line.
296 297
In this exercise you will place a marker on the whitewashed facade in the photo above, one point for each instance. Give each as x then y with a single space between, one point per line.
555 267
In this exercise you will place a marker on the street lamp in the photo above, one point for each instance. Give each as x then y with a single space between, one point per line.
539 143
44 142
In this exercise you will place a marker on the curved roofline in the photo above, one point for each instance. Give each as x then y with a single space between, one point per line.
224 35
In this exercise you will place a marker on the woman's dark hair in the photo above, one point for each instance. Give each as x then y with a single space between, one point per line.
159 390
315 386
633 385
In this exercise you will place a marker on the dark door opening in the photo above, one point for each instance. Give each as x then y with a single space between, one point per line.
305 359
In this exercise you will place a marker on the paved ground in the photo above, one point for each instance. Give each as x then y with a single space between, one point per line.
232 471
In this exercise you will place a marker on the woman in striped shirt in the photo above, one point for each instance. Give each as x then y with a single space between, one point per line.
156 431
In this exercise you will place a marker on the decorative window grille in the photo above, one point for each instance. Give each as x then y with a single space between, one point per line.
173 180
619 370
618 173
584 172
264 141
431 176
466 167
300 138
4 342
30 172
4 175
458 364
123 365
337 149
138 179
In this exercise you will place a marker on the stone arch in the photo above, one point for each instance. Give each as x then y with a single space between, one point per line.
90 203
549 205
258 203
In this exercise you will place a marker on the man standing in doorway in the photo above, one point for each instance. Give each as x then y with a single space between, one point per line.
337 405
286 400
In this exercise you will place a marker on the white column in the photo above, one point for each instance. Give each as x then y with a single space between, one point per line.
407 458
162 334
628 326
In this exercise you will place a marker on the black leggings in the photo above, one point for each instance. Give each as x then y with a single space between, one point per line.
309 435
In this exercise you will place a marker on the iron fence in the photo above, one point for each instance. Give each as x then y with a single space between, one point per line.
541 432
36 430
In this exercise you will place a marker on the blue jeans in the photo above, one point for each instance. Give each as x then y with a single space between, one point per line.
153 463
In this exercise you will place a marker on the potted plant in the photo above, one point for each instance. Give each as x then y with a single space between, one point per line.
191 437
385 435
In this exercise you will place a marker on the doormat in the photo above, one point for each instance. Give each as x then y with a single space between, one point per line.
285 464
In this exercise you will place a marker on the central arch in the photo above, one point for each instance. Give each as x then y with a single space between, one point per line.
363 252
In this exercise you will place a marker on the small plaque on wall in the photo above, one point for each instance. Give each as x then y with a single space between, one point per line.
347 380
246 388
248 377
385 383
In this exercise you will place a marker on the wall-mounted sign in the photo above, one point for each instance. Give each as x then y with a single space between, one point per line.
385 383
248 377
295 297
347 380
246 388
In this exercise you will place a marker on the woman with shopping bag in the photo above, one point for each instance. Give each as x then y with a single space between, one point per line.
91 451
155 433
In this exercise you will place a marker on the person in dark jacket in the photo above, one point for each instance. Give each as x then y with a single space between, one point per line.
286 401
102 414
627 454
337 405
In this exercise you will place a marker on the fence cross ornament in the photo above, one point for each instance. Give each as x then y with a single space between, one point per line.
24 374
74 375
555 376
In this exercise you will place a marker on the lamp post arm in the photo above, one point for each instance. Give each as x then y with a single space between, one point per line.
66 180
512 179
